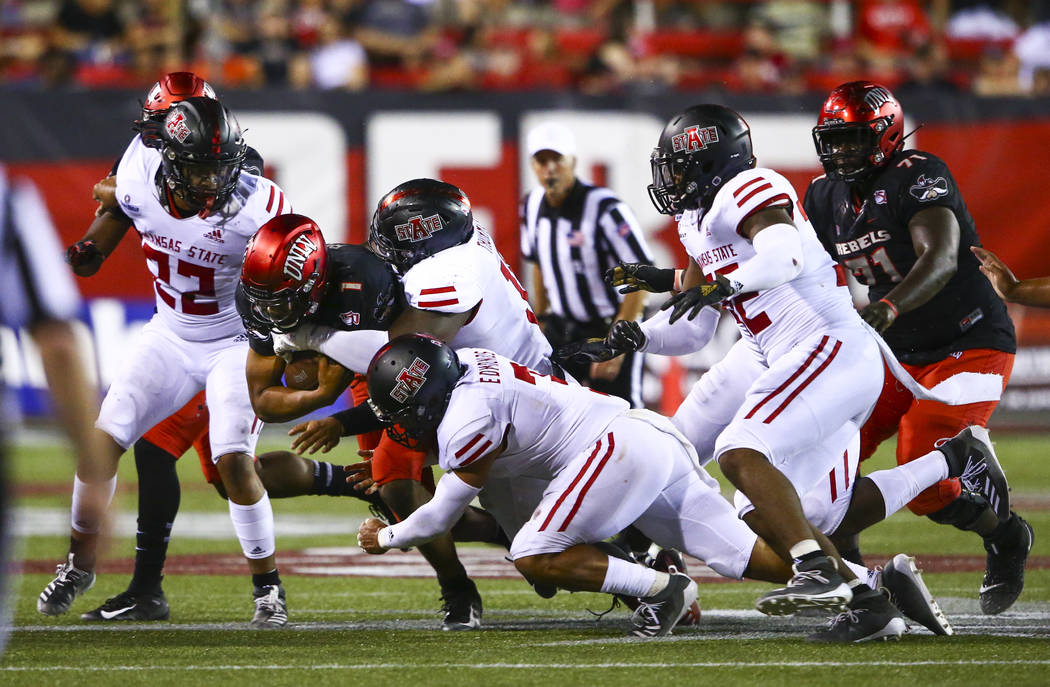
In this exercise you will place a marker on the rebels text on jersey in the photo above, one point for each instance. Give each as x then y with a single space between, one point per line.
775 319
870 238
362 292
456 279
195 262
542 422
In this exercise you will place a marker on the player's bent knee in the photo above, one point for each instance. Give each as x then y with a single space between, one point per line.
538 568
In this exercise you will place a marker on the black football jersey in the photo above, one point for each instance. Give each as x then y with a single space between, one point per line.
363 292
873 242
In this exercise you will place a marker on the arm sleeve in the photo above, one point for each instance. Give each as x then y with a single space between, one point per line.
624 235
778 259
451 498
683 337
360 419
353 350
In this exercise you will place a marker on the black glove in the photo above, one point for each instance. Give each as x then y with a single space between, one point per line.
693 300
636 276
625 335
880 315
84 254
595 350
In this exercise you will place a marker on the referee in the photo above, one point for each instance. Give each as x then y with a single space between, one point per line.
572 233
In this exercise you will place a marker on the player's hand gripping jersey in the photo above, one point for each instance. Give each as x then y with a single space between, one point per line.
774 320
456 279
195 262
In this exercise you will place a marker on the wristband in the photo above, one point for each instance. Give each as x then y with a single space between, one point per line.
891 306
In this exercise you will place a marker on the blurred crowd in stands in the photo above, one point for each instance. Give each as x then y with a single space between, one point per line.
988 47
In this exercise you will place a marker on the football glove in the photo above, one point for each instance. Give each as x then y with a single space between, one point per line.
637 276
84 255
595 350
693 300
626 335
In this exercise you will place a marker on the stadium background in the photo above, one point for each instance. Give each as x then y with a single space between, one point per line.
346 98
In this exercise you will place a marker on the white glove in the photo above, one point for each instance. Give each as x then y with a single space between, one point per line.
308 337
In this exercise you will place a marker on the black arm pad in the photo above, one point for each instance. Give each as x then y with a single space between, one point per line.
359 420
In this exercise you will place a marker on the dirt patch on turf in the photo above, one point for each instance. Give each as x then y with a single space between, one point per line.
480 563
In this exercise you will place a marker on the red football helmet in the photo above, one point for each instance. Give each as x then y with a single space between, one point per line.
171 89
283 274
861 126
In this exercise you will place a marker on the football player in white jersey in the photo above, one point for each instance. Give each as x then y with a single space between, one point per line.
492 422
812 370
194 210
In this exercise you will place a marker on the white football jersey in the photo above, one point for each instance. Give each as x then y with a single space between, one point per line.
456 279
195 262
545 421
774 319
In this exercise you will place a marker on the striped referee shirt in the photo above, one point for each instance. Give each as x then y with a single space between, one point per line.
575 243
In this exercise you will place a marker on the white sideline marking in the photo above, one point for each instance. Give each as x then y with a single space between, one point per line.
536 666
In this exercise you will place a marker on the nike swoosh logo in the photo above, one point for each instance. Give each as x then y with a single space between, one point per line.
990 587
113 614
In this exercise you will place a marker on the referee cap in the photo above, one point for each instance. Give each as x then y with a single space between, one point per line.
551 136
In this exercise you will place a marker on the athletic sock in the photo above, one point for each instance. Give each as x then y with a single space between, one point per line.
254 527
266 579
159 496
805 550
330 480
85 519
632 579
903 483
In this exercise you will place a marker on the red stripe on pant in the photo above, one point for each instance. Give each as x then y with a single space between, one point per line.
803 385
575 481
790 379
587 486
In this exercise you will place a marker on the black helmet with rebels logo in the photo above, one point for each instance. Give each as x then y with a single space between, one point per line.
700 149
410 382
418 219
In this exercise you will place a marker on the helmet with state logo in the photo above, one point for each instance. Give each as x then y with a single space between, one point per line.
172 88
410 382
861 126
202 151
699 150
417 219
284 268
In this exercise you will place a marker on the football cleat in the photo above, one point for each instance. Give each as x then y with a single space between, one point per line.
462 608
130 606
670 561
816 584
865 619
972 459
657 615
271 611
1004 566
69 583
902 580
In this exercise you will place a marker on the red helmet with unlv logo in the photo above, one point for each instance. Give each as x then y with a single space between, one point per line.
283 274
861 126
171 89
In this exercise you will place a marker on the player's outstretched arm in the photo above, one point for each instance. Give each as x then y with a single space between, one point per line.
1034 292
274 402
105 233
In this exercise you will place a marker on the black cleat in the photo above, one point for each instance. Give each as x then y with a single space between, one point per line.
816 584
271 611
69 583
972 459
1004 566
130 606
869 618
462 608
658 614
902 579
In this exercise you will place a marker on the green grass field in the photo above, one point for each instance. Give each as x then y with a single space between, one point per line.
353 623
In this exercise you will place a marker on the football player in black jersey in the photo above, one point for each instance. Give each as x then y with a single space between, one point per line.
290 277
896 219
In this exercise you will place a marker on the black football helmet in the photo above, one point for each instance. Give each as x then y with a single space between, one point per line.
699 150
418 219
410 382
202 152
